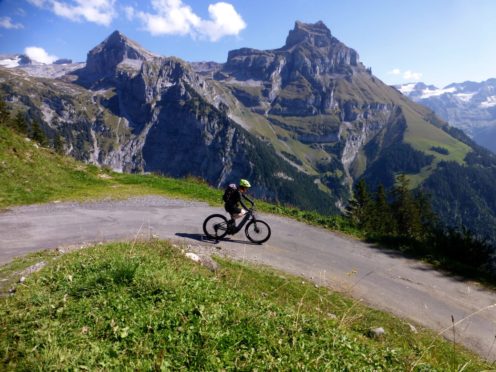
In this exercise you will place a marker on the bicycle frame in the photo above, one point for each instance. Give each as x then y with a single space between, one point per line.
249 215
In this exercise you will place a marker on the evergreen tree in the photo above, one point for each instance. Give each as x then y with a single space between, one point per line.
360 208
383 222
19 123
406 210
4 112
38 135
428 218
58 141
58 144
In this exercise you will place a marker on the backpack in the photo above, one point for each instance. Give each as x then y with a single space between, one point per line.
230 189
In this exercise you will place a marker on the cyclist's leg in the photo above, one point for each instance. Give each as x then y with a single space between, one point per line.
231 224
240 213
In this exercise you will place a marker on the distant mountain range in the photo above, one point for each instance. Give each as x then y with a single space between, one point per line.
57 69
303 122
22 60
469 106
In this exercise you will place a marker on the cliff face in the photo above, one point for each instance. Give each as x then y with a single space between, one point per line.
297 79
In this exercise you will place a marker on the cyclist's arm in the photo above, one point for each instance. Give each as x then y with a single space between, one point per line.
248 199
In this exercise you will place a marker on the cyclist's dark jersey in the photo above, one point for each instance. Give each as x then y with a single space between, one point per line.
232 206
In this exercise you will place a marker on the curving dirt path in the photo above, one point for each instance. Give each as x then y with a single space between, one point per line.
383 279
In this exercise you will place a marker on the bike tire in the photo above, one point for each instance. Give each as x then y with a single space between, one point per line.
258 231
215 226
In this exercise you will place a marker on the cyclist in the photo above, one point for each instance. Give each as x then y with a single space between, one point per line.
233 198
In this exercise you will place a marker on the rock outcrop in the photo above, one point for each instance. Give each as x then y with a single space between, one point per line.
117 52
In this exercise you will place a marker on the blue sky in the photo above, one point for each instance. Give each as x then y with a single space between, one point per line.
434 41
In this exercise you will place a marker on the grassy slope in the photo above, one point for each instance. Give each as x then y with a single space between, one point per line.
29 174
144 306
420 134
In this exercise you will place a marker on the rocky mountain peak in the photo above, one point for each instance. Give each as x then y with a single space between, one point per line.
103 59
316 39
120 42
315 34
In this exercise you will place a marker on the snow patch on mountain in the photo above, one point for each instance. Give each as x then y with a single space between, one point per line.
489 102
10 62
407 88
465 97
427 93
52 71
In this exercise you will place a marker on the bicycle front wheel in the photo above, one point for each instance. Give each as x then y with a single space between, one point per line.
215 226
257 231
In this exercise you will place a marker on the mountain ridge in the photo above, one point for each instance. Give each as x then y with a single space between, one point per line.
470 106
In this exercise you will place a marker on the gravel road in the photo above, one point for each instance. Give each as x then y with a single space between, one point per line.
381 278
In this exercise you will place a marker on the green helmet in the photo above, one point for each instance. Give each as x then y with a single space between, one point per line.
244 183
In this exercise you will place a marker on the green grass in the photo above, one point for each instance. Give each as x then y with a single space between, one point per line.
9 274
29 174
423 136
144 306
36 175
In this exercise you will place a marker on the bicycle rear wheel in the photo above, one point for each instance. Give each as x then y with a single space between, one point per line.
258 231
215 226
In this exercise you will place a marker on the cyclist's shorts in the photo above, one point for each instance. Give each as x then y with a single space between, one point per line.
232 210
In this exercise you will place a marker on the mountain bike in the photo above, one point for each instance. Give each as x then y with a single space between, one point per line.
216 227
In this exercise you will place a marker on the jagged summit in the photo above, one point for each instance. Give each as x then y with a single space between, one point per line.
103 59
310 53
316 38
116 36
118 41
316 34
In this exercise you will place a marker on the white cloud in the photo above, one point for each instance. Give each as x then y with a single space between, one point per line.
410 75
97 11
406 75
225 21
39 55
6 22
101 12
173 17
38 3
130 12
